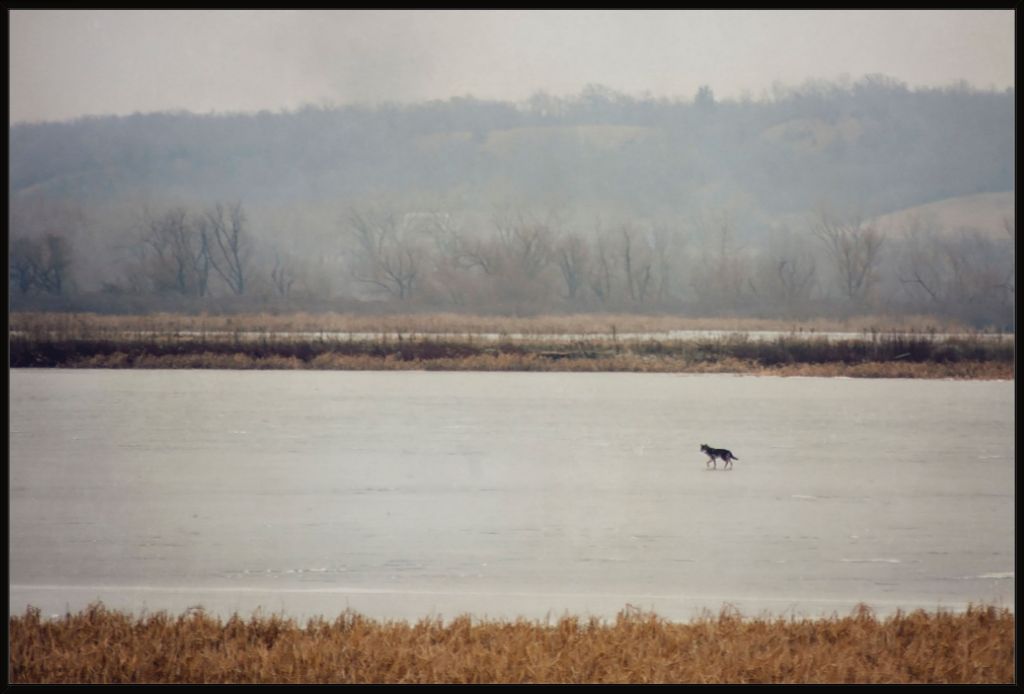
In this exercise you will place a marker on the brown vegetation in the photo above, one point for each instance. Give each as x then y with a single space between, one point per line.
102 646
532 362
440 343
459 324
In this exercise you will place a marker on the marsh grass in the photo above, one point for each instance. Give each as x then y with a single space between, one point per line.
86 341
460 324
102 646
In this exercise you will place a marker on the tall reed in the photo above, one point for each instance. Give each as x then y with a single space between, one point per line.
102 646
457 323
79 344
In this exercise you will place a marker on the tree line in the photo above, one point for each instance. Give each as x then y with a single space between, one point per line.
598 201
521 261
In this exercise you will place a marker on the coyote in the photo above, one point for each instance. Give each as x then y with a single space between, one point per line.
713 453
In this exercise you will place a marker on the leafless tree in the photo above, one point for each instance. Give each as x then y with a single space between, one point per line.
601 270
667 248
573 260
515 259
180 257
26 258
968 274
786 273
455 254
795 276
526 241
229 245
481 254
855 249
389 254
981 269
282 273
637 262
721 276
56 263
920 269
42 264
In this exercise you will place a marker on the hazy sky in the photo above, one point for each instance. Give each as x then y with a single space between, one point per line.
68 63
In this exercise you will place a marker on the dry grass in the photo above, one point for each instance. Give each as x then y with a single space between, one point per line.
168 342
963 370
461 324
970 370
102 646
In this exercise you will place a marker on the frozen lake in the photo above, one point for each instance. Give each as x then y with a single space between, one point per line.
411 494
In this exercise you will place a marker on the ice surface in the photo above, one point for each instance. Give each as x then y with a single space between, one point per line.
412 494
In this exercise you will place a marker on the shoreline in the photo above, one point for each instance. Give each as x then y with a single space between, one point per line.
579 343
887 357
978 371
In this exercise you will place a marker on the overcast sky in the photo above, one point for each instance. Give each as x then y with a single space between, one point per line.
69 63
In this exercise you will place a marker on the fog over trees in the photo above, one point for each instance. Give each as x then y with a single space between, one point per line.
780 206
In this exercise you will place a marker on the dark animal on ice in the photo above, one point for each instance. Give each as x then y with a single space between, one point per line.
718 453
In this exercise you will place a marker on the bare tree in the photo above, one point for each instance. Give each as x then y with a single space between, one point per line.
43 264
453 256
482 254
515 258
163 237
25 261
967 274
525 240
228 243
56 263
795 276
920 269
637 262
982 272
855 249
786 273
667 248
602 267
389 254
721 276
180 257
573 260
282 274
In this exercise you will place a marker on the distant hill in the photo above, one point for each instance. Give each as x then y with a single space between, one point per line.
875 144
985 212
814 134
598 137
505 141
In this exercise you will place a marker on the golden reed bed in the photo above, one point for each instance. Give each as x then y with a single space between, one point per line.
102 646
